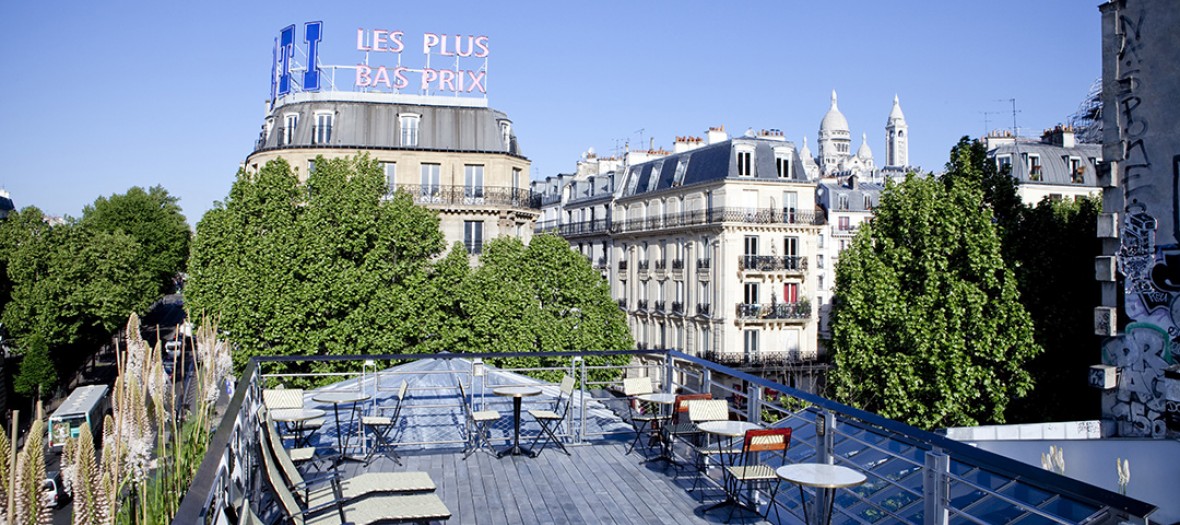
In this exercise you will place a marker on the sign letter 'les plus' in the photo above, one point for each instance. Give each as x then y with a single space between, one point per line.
285 51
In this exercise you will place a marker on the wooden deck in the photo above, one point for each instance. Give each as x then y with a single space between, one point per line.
597 484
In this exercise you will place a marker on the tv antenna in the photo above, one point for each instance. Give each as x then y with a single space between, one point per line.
1015 129
987 120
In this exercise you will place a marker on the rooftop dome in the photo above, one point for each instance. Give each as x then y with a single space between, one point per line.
834 120
895 113
864 152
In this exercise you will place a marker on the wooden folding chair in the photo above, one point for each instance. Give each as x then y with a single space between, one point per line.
754 467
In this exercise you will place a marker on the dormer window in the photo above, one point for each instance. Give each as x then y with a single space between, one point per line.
506 135
1033 164
290 120
322 134
1077 172
782 163
868 202
745 163
408 123
841 202
1004 162
681 169
270 127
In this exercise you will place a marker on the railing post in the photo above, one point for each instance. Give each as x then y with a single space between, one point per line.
582 406
825 439
706 385
754 406
668 371
936 488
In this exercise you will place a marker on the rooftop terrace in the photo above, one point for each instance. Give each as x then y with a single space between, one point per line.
913 476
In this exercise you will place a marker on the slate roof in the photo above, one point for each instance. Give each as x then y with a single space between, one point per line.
1054 170
709 164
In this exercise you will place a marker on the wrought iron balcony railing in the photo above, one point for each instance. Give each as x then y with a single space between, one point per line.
677 264
771 263
644 265
641 305
622 266
704 263
678 307
661 264
718 216
799 310
659 306
453 195
703 309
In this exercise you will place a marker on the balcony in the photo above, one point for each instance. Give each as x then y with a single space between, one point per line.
622 266
771 263
464 196
704 264
641 305
581 228
600 263
703 309
659 307
644 267
661 268
914 476
762 359
677 307
622 304
717 216
800 311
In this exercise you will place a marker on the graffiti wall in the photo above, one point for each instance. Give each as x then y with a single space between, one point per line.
1141 84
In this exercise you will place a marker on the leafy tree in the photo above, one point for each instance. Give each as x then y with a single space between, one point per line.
927 324
151 217
543 297
36 375
70 285
1050 248
1055 249
333 268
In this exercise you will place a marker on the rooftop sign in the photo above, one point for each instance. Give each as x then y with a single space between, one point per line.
460 63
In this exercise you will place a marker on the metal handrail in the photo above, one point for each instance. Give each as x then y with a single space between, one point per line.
439 194
210 490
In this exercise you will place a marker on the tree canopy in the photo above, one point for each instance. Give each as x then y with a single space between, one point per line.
69 284
152 218
334 266
927 323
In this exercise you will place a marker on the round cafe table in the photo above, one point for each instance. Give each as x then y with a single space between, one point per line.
823 477
336 399
665 401
295 418
517 393
726 430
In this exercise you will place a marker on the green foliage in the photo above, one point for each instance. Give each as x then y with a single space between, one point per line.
927 323
70 284
36 375
153 219
337 268
330 267
1054 250
541 298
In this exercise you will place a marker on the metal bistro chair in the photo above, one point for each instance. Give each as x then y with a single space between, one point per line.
551 419
292 398
644 418
700 411
478 421
753 469
381 426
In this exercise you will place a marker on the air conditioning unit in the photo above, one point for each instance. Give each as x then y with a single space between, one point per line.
1104 377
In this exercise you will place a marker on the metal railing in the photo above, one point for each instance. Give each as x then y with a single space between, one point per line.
911 472
771 263
703 309
455 195
718 216
799 310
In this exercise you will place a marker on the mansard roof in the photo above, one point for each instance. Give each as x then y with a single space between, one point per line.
712 163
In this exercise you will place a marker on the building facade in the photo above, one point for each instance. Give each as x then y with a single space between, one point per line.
846 204
453 155
1057 166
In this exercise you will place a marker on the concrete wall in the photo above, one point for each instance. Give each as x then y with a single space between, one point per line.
1141 84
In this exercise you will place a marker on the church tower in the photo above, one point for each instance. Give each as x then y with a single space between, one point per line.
897 150
835 140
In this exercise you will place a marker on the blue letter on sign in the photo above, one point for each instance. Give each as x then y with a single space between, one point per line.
286 51
311 77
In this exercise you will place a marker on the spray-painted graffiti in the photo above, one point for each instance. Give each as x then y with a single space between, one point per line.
1142 49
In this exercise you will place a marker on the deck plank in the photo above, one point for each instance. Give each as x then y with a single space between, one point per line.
597 484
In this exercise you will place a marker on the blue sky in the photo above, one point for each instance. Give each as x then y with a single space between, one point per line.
101 96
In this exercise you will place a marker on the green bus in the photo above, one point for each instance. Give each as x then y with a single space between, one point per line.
86 404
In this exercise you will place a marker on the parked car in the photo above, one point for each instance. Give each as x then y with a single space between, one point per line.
54 487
